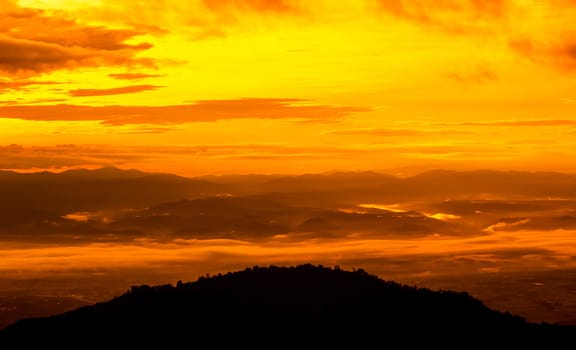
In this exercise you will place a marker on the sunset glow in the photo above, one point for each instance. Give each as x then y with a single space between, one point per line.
427 141
280 86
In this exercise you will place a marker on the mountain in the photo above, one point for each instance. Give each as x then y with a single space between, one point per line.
112 188
99 189
111 204
493 182
275 307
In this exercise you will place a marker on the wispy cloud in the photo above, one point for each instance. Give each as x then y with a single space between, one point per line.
456 16
199 19
279 6
145 130
520 23
201 111
559 51
398 257
222 157
396 132
112 91
6 85
133 76
513 123
62 156
479 74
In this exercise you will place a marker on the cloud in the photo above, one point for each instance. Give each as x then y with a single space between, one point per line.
201 111
475 75
7 85
519 23
516 123
277 6
396 132
390 256
113 91
564 222
280 157
199 19
66 156
457 16
146 130
62 156
35 41
133 76
34 101
559 51
203 156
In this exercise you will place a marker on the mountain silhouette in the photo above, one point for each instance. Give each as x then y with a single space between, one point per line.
99 189
277 307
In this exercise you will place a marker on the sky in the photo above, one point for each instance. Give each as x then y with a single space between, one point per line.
285 86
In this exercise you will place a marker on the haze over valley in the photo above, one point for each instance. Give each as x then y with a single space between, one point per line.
82 236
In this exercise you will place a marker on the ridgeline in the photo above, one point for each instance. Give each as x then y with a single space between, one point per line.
276 307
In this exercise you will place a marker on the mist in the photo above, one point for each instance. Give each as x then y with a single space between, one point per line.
81 237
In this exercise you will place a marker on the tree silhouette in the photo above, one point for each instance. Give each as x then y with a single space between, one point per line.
279 306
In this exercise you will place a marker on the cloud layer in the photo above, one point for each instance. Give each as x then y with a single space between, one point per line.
201 111
112 91
33 42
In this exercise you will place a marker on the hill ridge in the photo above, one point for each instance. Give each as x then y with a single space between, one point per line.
298 303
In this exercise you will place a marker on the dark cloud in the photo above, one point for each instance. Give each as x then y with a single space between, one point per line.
112 91
28 57
559 51
34 41
201 111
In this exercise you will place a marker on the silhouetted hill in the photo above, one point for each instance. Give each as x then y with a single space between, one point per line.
277 307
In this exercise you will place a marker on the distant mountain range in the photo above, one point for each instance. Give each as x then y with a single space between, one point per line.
97 189
295 306
115 204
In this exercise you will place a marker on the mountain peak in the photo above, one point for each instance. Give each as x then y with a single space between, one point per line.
292 305
104 172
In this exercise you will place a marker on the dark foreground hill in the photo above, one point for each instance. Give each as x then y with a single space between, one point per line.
272 307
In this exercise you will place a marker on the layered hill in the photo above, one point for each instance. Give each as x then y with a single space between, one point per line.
275 307
114 205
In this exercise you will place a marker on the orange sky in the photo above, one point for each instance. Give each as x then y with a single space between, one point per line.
287 86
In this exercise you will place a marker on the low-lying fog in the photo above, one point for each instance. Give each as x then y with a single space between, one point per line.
81 237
